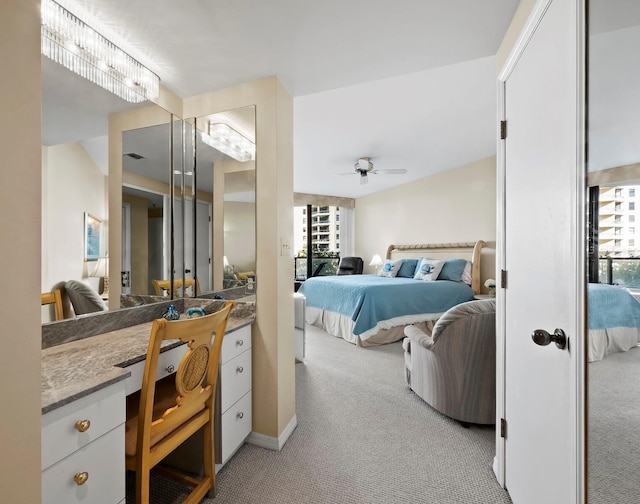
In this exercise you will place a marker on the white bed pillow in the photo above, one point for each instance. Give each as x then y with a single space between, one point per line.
466 274
390 268
428 269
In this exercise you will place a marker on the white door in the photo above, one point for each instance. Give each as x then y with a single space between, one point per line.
542 251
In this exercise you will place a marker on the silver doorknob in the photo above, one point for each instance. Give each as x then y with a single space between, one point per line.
543 338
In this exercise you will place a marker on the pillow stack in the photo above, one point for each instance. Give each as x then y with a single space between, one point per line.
455 270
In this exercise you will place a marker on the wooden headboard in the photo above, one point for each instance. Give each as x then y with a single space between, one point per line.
463 250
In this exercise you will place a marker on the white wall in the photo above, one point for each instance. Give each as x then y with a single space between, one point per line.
614 102
456 205
240 235
71 185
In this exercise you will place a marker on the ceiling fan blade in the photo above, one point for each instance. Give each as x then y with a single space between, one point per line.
349 173
396 171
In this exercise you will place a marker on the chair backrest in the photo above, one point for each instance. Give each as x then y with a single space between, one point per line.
55 298
350 266
474 317
162 287
195 378
83 298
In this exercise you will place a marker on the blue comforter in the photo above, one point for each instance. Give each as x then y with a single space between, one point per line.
369 299
610 306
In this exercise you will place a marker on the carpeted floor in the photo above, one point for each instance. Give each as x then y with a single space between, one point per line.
614 429
362 437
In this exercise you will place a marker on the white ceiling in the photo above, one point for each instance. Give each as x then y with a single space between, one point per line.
409 83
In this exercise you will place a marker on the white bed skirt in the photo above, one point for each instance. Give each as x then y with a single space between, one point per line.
387 331
603 342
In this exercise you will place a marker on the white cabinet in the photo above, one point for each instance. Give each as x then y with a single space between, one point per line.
233 422
168 362
83 449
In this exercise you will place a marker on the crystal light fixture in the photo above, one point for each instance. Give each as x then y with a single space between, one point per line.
228 141
78 47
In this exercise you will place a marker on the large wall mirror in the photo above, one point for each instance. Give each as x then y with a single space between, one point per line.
613 135
188 196
188 207
223 189
75 125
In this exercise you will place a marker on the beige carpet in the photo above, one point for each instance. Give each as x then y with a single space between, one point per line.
362 437
614 429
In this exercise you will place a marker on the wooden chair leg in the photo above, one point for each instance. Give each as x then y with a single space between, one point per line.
209 458
142 487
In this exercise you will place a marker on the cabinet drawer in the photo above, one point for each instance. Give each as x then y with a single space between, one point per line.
102 460
235 343
168 362
104 410
236 426
236 379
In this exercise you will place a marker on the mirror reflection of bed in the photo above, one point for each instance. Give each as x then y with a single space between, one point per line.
613 312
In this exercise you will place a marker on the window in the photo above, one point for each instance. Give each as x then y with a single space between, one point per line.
632 218
632 193
632 205
618 218
617 243
618 207
618 192
632 230
618 231
337 227
337 236
632 243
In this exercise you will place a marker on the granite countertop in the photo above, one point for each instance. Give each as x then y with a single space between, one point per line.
75 369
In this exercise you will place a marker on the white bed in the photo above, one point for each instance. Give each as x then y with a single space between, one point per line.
389 328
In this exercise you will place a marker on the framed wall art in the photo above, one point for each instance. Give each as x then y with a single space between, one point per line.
92 237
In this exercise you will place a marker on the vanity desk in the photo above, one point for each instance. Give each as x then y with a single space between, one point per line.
85 382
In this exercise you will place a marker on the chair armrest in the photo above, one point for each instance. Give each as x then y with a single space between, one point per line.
418 337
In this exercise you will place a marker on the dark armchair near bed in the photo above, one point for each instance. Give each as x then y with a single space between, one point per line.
350 266
454 367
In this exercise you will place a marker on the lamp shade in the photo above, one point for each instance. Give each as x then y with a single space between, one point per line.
102 268
376 260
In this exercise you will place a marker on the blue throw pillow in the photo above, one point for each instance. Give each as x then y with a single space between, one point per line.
408 268
452 270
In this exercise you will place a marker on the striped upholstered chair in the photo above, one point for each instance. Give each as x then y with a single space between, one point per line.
454 368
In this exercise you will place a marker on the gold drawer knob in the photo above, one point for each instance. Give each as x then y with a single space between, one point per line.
240 342
81 478
240 415
239 369
83 425
170 368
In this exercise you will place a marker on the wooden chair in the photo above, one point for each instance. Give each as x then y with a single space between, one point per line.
55 298
165 414
162 287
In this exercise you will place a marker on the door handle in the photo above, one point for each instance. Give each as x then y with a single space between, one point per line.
543 338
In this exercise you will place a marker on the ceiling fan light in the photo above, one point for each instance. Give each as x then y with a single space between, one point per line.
363 178
364 164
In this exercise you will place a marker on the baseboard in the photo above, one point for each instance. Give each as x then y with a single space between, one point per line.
270 442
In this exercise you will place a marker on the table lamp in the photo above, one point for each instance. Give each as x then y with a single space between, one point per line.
376 261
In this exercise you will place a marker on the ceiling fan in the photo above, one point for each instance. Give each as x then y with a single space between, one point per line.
364 167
